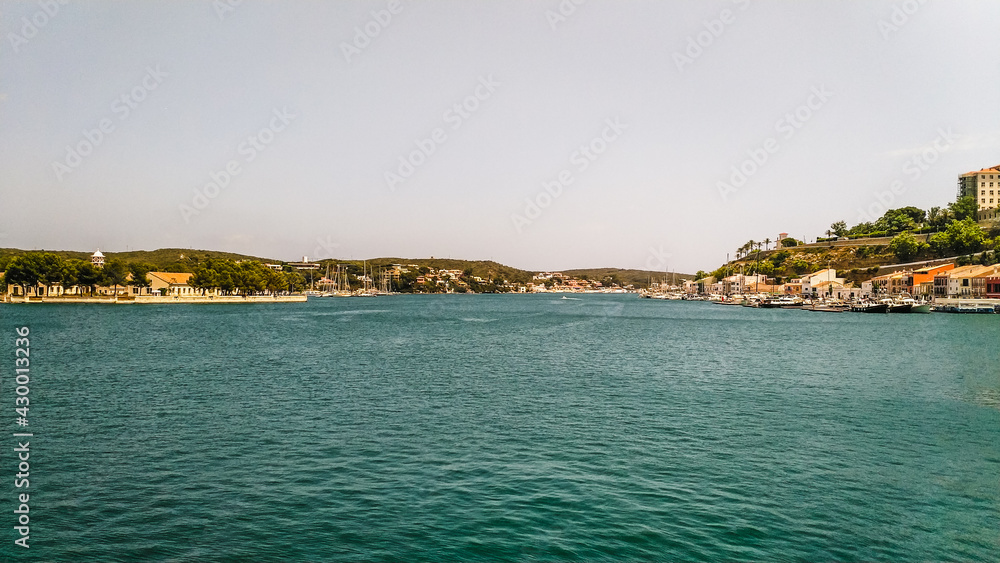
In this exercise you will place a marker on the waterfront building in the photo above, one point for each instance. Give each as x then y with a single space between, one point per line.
793 287
980 278
170 283
810 280
847 292
984 186
993 286
741 283
921 281
960 284
690 287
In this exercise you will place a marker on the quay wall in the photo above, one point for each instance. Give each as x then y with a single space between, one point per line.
160 300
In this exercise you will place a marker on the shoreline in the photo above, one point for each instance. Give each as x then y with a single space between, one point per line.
157 300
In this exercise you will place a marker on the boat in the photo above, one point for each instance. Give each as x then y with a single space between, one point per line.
785 302
735 299
827 308
870 307
916 306
895 306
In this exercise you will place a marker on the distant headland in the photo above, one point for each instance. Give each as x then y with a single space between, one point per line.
190 275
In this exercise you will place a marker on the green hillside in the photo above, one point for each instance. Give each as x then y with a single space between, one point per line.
186 260
164 259
638 278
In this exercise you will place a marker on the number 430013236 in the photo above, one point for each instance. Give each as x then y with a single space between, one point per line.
22 353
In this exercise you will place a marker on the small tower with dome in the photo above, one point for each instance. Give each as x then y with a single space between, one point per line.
97 259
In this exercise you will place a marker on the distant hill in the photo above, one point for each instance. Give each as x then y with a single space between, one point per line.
638 278
164 259
185 260
492 270
485 269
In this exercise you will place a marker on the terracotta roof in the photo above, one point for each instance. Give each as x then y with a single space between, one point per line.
172 278
992 170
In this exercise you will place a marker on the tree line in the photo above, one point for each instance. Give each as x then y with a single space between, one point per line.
229 277
35 269
909 219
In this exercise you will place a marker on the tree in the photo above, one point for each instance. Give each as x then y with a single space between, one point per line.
295 281
767 244
116 273
964 208
905 246
51 270
89 275
839 228
787 242
899 220
779 257
139 273
204 278
940 243
701 274
25 271
71 273
275 282
938 217
965 236
800 266
861 229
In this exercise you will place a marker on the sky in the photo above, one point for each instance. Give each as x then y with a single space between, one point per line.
544 134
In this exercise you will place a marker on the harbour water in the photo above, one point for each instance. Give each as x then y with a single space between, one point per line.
513 427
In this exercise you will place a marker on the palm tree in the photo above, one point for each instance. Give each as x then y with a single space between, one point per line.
767 244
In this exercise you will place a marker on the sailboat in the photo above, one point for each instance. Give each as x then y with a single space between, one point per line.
367 290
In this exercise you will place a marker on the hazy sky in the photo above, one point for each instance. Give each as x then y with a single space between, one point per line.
362 129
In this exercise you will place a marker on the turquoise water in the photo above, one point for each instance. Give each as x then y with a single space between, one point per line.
491 428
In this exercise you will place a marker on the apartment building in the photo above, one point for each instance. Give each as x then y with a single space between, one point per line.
984 186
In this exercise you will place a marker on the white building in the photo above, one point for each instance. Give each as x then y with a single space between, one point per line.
809 281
